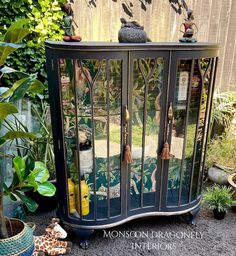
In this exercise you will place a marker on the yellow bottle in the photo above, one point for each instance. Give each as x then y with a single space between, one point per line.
71 196
84 198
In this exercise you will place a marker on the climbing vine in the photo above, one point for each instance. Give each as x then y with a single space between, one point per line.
44 18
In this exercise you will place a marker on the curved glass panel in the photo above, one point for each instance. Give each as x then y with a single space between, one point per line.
146 93
91 103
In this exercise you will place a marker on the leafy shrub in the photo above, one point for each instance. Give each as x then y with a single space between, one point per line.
223 110
219 198
222 151
45 17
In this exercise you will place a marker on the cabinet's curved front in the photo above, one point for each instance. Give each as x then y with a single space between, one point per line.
109 100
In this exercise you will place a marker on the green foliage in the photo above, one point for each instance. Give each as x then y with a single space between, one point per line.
223 110
44 18
217 197
10 42
28 84
26 178
222 150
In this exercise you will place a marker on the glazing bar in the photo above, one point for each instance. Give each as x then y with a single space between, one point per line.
77 156
209 108
196 134
108 138
185 131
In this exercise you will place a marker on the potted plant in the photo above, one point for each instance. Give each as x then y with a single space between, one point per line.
28 175
221 161
219 199
16 237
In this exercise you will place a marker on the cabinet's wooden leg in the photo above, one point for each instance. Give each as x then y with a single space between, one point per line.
83 235
193 214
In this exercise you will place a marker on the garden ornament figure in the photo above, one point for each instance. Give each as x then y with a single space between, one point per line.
49 243
132 32
67 24
188 29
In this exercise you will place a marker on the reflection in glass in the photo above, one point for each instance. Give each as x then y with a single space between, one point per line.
178 131
91 102
195 97
205 67
146 93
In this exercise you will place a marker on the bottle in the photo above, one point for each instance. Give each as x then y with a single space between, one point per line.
71 196
84 190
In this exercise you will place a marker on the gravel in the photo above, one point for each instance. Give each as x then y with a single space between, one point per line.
162 236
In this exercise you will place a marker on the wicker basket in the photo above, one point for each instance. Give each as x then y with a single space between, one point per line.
21 240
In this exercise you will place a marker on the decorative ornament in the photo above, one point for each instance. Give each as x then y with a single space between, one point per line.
67 24
132 32
165 154
188 29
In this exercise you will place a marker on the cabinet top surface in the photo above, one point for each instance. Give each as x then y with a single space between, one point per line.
107 46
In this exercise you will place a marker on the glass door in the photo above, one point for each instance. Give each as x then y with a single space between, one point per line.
189 99
91 92
147 94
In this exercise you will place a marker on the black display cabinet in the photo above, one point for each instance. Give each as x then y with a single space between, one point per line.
109 100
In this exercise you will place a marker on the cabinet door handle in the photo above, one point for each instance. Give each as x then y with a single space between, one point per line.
170 112
127 116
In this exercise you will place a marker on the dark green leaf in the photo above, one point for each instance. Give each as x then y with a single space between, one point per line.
6 190
46 189
13 197
2 141
6 49
20 88
29 163
29 203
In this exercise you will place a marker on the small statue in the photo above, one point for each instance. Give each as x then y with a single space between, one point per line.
188 29
132 32
67 24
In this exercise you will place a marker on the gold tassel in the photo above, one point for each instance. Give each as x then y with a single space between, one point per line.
165 154
128 155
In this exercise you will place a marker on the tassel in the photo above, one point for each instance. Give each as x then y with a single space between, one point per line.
165 154
128 155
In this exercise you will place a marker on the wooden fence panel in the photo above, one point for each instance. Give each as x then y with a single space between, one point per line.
99 20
